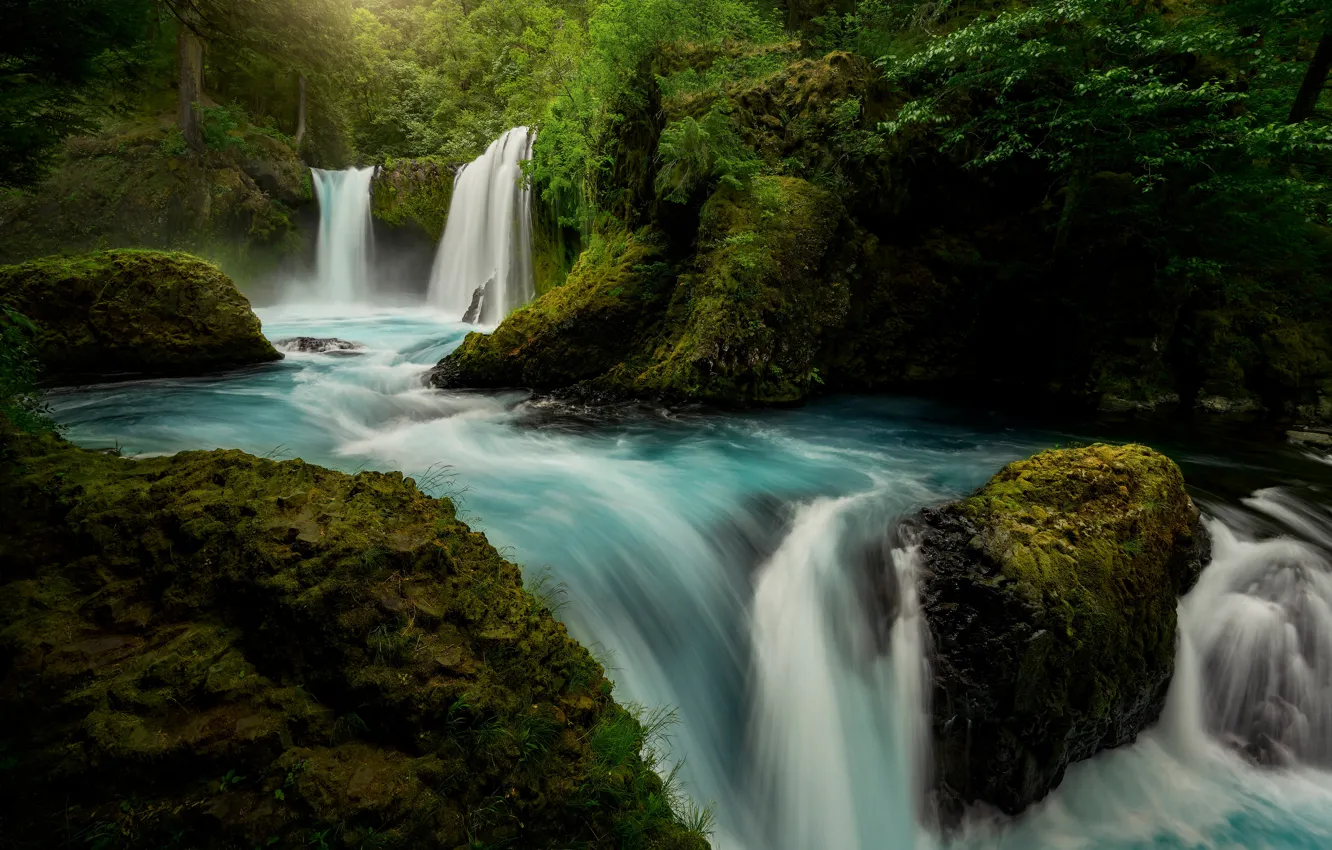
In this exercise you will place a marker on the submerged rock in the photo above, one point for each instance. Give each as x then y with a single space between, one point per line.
1051 601
113 314
317 345
215 650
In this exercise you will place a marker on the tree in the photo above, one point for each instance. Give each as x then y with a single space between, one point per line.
307 36
1315 81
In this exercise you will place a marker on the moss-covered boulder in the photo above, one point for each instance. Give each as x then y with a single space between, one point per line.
124 313
414 192
215 650
743 324
574 332
1050 596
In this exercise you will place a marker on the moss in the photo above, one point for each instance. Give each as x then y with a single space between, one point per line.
414 192
1093 527
218 650
1051 596
752 311
127 187
129 311
575 331
744 325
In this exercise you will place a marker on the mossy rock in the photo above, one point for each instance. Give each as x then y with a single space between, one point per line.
414 193
1051 601
576 331
111 314
216 650
744 324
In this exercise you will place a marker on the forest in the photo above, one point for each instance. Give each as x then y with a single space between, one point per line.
666 424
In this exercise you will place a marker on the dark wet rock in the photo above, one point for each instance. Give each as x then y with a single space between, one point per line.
316 345
478 306
215 650
1051 596
115 314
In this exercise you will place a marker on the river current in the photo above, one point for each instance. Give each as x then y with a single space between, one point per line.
729 566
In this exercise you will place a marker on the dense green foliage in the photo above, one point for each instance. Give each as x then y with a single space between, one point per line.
1190 109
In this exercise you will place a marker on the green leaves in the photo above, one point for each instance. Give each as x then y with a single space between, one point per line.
692 154
1191 106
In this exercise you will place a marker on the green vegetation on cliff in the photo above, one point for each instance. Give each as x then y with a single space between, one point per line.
113 313
215 650
1051 598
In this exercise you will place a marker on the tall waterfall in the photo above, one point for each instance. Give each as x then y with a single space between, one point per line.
343 252
484 266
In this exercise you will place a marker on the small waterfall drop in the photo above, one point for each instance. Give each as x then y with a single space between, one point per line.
1260 624
839 725
343 250
483 269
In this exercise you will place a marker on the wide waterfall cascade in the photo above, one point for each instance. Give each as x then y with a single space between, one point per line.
343 251
742 569
483 269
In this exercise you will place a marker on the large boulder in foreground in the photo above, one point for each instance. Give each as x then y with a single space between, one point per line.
1051 601
114 314
214 650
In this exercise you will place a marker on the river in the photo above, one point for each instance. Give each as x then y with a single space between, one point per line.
724 564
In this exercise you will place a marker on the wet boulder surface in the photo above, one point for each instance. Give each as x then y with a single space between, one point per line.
1050 596
131 313
217 650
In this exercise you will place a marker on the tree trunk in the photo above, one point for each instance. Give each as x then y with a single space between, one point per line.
189 55
300 113
1314 81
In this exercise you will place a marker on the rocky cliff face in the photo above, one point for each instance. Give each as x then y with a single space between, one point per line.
214 650
127 313
1051 597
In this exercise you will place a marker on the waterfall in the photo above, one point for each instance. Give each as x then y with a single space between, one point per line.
483 269
1260 624
343 252
839 724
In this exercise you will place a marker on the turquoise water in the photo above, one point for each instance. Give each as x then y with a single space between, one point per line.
727 565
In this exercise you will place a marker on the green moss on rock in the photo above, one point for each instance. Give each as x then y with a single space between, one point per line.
1051 599
576 331
743 325
214 650
113 313
414 192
